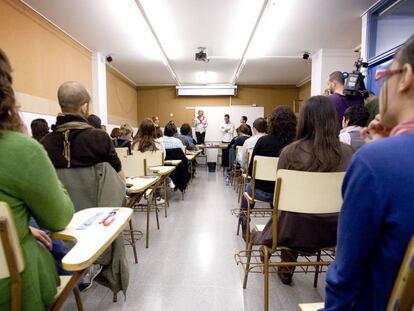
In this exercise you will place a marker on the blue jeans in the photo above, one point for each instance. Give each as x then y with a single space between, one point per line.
59 250
259 195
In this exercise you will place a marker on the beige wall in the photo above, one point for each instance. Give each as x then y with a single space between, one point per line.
42 57
305 91
122 99
162 101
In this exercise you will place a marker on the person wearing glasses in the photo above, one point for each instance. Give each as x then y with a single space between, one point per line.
342 102
376 218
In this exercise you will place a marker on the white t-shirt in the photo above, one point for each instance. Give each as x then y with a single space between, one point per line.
248 145
228 132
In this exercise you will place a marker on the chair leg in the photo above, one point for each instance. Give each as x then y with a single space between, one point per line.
315 280
57 304
114 298
266 279
133 243
148 221
165 199
78 299
246 272
238 225
156 215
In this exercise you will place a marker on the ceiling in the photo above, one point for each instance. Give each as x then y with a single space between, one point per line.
153 42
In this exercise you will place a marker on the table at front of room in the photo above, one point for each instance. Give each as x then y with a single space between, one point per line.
211 150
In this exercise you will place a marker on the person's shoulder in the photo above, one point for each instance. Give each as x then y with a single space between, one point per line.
386 146
94 133
19 142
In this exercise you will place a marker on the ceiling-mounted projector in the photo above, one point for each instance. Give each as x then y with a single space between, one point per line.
201 56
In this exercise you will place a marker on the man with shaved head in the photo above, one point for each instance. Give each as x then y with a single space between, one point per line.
73 142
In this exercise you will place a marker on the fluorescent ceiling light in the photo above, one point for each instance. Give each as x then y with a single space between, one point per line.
218 90
135 29
273 22
163 17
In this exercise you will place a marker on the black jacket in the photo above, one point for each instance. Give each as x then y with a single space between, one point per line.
180 176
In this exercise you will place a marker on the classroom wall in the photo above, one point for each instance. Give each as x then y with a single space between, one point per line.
162 101
42 57
304 91
122 99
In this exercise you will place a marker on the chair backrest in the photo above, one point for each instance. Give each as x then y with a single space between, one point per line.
264 168
11 256
239 150
152 158
309 192
133 165
402 297
93 186
122 151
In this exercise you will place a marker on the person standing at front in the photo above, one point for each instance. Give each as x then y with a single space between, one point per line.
227 130
200 124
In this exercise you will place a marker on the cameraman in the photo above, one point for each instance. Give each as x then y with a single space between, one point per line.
342 102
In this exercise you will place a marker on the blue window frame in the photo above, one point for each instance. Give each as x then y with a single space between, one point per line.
390 24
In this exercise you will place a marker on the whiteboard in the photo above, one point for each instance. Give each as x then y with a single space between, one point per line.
215 118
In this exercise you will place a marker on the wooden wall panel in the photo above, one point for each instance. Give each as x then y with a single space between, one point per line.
42 57
162 101
122 99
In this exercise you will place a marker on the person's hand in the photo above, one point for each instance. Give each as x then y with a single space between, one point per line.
374 131
41 236
226 130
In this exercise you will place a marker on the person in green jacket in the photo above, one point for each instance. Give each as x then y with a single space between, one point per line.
29 185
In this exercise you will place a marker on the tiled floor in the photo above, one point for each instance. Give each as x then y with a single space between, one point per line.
190 262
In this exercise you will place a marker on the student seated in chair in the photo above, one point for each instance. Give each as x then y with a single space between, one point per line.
175 151
74 143
186 131
146 139
259 130
29 185
242 135
317 149
376 219
355 118
282 131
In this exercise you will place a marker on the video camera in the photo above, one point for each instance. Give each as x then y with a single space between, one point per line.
354 81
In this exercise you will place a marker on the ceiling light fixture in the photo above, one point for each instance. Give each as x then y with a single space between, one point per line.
165 57
244 56
211 90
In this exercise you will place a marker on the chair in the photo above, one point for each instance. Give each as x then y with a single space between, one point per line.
151 159
264 168
296 192
122 151
236 169
402 298
133 165
11 256
98 186
244 176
